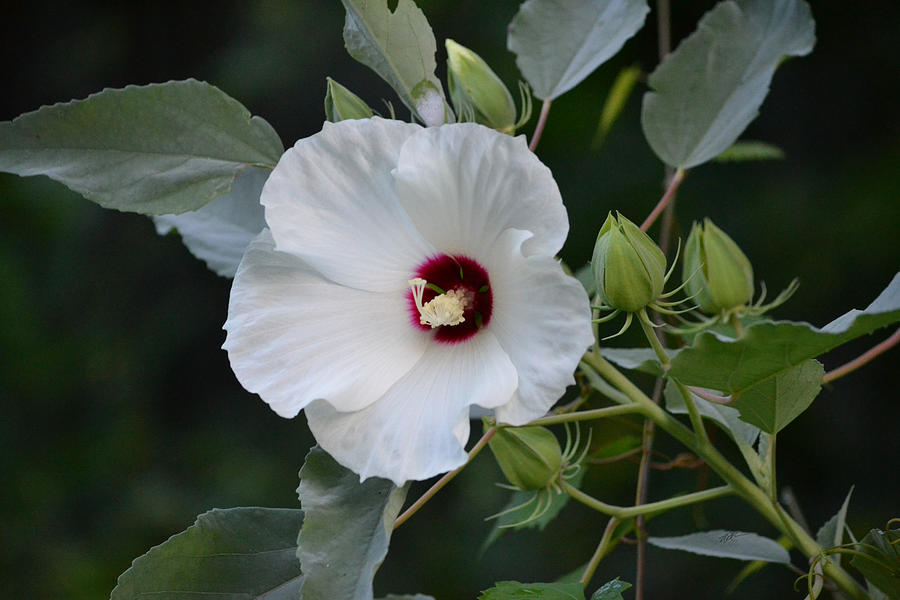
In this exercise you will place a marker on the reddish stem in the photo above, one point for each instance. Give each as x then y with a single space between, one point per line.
539 128
863 358
665 200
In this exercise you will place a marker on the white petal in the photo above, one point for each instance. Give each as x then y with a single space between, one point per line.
294 336
464 184
542 318
331 202
219 232
418 428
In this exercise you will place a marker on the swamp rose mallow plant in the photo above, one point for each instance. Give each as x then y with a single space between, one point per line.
406 274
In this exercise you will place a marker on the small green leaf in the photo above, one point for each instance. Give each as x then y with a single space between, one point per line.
774 402
748 150
219 233
726 544
560 42
768 348
236 553
831 534
880 563
615 102
156 149
521 498
513 590
611 590
347 528
707 91
400 47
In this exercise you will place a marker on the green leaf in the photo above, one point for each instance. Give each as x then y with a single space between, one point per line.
726 417
400 47
611 590
615 102
219 233
347 528
637 359
707 91
880 563
156 149
247 553
726 544
560 42
768 348
748 150
513 590
831 534
774 402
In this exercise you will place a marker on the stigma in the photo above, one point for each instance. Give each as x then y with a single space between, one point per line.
446 308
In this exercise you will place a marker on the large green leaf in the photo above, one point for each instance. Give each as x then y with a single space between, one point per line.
156 149
219 233
707 91
347 528
513 590
560 42
879 561
774 402
237 553
726 544
400 47
769 348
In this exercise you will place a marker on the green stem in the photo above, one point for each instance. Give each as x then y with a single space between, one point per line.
773 492
626 512
693 412
603 549
743 487
587 415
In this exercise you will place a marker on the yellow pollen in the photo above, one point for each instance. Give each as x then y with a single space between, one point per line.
444 309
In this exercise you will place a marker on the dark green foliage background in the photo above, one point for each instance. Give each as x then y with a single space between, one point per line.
121 420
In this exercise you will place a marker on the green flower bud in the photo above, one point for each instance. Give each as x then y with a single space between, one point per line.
342 104
475 88
530 457
718 275
629 268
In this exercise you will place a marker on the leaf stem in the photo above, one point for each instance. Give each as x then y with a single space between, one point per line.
863 358
440 483
539 128
587 415
626 512
664 201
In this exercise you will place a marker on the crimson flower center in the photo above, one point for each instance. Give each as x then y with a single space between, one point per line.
451 296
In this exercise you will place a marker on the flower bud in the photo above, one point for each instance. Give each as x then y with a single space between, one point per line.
342 104
629 268
530 457
718 275
475 87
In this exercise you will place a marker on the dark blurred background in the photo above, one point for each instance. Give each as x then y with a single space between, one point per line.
121 419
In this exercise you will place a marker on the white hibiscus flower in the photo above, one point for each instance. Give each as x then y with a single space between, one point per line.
407 274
